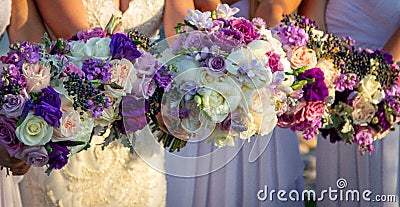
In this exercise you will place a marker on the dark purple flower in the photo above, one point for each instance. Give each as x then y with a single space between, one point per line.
249 31
216 65
58 155
123 47
8 139
33 155
316 90
97 69
85 35
50 114
383 122
50 96
164 81
133 113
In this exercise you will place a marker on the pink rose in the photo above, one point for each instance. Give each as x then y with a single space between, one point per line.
302 56
71 126
36 156
123 74
37 76
313 110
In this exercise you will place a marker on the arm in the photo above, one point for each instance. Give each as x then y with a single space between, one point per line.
272 10
64 17
175 12
315 10
25 22
206 5
393 45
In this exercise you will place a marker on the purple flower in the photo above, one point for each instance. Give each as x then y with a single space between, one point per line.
258 22
123 47
97 69
164 81
226 39
364 138
292 35
346 81
195 39
383 122
36 155
274 61
85 35
133 113
50 96
317 90
14 105
249 31
8 139
234 121
216 65
50 114
58 155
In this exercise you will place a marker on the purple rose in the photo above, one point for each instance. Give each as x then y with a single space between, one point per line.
8 139
58 157
123 47
249 31
36 156
133 113
50 114
50 96
14 105
178 43
216 65
317 90
85 35
195 39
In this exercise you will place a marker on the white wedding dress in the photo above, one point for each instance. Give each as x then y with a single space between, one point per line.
370 23
113 177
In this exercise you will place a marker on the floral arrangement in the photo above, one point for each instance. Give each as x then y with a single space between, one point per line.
362 84
231 71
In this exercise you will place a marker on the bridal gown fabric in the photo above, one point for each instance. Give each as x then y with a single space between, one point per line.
203 175
370 23
9 190
113 177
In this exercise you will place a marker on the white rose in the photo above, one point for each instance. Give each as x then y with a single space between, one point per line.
123 74
262 108
78 49
363 111
98 47
371 89
223 138
34 131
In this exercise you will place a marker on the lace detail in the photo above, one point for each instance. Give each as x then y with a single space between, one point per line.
113 177
143 15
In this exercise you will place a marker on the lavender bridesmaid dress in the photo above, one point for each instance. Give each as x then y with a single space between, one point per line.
203 175
370 23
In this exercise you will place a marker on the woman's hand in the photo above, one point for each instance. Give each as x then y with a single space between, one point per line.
17 166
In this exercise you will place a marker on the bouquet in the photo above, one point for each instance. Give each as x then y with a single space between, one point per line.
39 123
231 74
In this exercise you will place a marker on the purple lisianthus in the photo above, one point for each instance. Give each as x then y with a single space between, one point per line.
133 113
58 156
164 81
292 35
123 47
317 90
97 69
8 139
50 114
50 96
249 31
14 105
225 39
85 35
216 65
33 155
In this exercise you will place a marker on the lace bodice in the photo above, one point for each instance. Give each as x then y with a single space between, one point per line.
143 15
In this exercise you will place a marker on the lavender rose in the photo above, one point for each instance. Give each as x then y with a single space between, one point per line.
58 157
8 139
14 105
226 39
133 112
50 114
194 39
123 47
36 156
216 66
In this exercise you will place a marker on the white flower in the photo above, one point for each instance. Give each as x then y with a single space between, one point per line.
98 47
123 74
223 138
189 71
371 89
363 111
109 114
78 48
224 11
199 19
34 131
